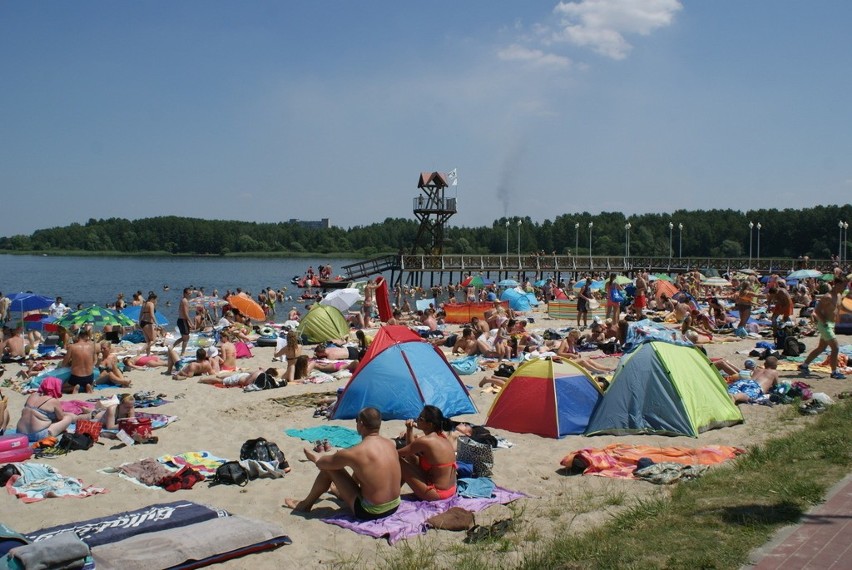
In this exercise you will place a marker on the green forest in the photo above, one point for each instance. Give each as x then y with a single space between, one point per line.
787 233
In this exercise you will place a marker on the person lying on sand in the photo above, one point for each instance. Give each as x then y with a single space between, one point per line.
239 379
202 365
762 381
372 490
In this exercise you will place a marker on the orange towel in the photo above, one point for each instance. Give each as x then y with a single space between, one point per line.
620 460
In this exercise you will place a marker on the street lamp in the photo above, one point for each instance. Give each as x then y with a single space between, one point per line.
680 240
845 240
750 233
519 240
840 242
576 238
671 231
507 239
590 245
627 244
758 242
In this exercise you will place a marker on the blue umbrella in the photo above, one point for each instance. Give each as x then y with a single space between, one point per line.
508 283
540 283
23 302
133 312
595 286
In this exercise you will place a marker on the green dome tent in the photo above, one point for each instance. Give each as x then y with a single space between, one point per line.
322 323
664 389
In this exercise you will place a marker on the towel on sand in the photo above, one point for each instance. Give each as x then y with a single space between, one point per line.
64 550
620 460
336 435
38 481
411 516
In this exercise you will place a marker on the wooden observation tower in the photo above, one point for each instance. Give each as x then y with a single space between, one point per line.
433 210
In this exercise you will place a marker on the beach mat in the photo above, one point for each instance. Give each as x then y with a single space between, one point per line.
410 519
194 546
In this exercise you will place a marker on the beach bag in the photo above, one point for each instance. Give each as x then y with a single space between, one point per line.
75 441
261 450
138 428
266 382
477 454
504 370
617 296
793 347
230 473
89 427
242 350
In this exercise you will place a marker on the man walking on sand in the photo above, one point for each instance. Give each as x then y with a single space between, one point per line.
372 490
824 315
183 321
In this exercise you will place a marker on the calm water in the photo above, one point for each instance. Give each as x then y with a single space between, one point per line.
98 280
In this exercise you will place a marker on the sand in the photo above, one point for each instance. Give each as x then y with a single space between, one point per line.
220 420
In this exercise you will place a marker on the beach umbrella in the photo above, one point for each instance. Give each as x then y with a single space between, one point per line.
804 274
508 283
24 302
664 288
623 280
716 282
132 312
96 316
247 307
540 283
662 277
827 277
595 286
476 281
342 299
207 301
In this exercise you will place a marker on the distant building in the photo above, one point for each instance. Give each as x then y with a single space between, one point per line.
322 224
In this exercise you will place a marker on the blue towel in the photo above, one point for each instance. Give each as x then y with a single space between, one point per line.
336 435
475 488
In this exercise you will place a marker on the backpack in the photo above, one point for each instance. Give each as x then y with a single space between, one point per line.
230 473
75 441
261 450
266 382
504 370
792 346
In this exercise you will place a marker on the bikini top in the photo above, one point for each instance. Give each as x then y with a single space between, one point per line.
49 415
426 466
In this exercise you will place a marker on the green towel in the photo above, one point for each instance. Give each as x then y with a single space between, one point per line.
336 435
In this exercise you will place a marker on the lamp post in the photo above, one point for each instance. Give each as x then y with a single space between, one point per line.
750 233
627 244
671 232
507 239
576 238
840 242
680 240
519 241
758 242
590 245
845 241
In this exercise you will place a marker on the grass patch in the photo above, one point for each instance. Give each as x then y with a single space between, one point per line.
712 522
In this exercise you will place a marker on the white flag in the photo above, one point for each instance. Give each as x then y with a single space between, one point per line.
453 177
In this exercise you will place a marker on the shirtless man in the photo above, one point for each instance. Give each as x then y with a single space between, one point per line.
81 358
183 321
336 352
239 379
201 366
479 326
369 300
13 348
640 300
782 305
466 343
762 381
372 490
824 315
108 367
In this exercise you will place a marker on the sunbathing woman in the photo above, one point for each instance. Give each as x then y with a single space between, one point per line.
142 362
568 350
42 415
304 365
429 462
291 351
124 409
240 379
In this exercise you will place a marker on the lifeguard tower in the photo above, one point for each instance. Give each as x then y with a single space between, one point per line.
433 209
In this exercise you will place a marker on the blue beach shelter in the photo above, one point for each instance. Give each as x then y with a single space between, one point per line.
517 300
399 374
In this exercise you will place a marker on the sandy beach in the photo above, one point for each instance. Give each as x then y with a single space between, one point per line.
220 420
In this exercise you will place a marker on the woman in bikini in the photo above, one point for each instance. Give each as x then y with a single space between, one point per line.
429 462
304 365
147 321
568 350
291 351
124 409
42 415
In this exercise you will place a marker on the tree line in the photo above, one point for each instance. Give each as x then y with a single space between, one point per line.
787 233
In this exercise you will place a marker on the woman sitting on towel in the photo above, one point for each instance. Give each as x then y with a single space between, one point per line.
42 415
124 409
429 462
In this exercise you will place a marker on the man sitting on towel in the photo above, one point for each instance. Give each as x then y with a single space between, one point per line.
372 490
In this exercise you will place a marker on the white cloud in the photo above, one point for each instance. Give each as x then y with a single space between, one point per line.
602 24
535 57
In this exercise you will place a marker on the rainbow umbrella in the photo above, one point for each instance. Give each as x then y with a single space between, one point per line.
98 317
476 281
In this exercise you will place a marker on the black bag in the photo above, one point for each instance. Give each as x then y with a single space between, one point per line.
230 473
504 370
75 441
261 450
266 382
792 346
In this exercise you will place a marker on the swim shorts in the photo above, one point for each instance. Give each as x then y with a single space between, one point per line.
748 387
366 511
640 301
81 381
234 379
826 330
183 327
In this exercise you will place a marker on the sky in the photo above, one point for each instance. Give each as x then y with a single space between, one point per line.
267 111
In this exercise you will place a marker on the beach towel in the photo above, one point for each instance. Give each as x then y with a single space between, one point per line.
620 460
202 461
242 350
64 550
465 366
37 482
337 436
411 516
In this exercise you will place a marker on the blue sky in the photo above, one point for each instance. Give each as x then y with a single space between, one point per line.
267 111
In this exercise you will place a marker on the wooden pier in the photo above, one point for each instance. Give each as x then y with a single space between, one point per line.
428 270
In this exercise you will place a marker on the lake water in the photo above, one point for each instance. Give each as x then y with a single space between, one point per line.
98 280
